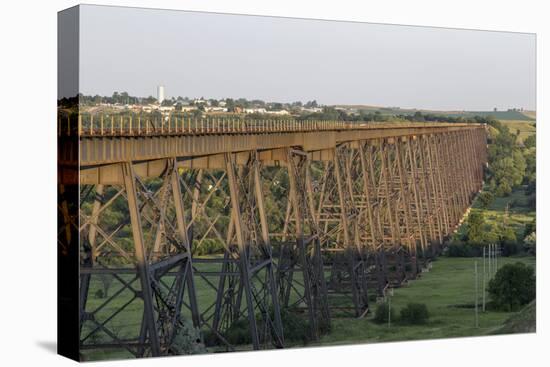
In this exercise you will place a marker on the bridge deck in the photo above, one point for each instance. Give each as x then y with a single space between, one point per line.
198 143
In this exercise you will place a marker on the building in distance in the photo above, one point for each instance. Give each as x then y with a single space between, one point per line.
160 93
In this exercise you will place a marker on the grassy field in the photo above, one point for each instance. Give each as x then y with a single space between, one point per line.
512 210
447 290
530 114
501 115
527 116
449 293
526 128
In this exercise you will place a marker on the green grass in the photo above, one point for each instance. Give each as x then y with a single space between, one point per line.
449 293
526 128
524 321
447 290
517 216
527 116
499 115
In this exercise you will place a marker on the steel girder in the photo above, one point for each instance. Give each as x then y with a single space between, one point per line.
243 278
358 217
152 268
299 262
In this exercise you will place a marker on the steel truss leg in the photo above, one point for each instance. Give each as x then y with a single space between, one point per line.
182 229
142 264
354 251
253 256
306 254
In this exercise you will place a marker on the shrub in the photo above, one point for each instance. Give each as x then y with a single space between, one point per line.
530 242
382 312
239 332
187 340
503 189
485 198
510 248
295 328
209 246
512 287
414 314
530 227
530 141
463 249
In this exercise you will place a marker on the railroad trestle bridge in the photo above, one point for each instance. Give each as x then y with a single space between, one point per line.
316 218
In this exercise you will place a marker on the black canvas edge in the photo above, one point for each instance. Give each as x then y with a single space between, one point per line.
68 322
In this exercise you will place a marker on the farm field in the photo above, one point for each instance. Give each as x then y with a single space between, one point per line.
526 128
499 115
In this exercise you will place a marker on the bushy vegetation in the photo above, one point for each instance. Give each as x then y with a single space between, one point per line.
295 329
513 286
530 243
510 164
239 333
209 246
509 193
187 339
459 248
414 314
382 313
485 199
530 141
410 314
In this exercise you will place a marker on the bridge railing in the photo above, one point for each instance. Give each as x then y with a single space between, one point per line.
137 125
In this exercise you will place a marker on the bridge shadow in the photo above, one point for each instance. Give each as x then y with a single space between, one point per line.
48 345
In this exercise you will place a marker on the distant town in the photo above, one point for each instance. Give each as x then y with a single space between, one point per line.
123 102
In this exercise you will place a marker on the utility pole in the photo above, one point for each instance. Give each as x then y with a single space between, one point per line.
389 311
484 280
489 261
476 286
497 249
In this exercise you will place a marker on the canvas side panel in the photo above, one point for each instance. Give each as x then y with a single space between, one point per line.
67 184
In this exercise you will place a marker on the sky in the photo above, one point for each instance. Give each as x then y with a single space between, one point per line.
284 59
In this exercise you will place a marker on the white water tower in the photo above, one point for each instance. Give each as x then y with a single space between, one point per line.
160 93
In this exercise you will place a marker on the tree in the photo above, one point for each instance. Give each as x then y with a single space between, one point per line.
311 104
507 162
486 198
530 141
150 100
115 97
530 166
503 189
124 98
512 287
418 117
475 228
